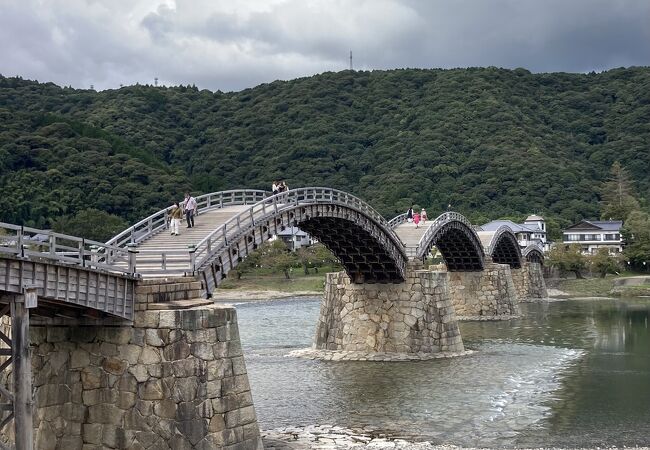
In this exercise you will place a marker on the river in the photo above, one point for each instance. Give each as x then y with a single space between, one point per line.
572 373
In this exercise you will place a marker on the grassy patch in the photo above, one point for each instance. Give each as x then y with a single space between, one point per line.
600 287
589 287
262 280
276 283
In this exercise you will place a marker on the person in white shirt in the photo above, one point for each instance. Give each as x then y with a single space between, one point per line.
189 205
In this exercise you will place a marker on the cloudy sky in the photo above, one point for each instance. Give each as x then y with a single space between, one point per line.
234 44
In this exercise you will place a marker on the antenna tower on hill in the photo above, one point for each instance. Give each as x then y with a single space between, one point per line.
351 60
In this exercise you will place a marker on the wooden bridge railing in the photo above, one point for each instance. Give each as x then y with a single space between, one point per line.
157 222
26 242
397 220
437 223
272 206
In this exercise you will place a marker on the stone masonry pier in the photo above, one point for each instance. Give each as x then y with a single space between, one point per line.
488 293
171 379
414 317
529 281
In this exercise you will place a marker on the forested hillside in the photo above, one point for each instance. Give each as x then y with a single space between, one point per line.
490 142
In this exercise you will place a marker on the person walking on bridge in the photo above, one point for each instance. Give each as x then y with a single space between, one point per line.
176 215
423 215
409 215
189 205
416 219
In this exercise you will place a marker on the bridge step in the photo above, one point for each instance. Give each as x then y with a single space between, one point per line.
151 293
180 304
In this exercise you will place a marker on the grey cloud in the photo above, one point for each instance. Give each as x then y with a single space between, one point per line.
124 42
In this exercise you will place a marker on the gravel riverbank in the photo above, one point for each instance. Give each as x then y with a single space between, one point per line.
326 437
237 296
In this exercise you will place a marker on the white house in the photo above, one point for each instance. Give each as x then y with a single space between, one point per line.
595 234
532 231
295 238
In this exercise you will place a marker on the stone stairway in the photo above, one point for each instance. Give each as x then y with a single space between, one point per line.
175 249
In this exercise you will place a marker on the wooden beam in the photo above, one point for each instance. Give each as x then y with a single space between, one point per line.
22 372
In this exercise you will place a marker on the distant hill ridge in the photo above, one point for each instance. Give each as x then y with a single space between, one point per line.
490 142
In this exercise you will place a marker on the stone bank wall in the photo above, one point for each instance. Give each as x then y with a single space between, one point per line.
411 317
490 292
174 380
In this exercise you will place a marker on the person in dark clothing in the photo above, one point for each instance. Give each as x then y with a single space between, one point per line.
409 214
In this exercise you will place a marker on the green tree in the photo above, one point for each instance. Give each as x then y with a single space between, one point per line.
636 236
276 256
603 263
568 259
617 196
90 224
316 256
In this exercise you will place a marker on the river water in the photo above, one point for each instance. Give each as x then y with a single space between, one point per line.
570 373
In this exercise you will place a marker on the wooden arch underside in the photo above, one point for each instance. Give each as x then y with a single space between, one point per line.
460 252
364 258
535 257
506 251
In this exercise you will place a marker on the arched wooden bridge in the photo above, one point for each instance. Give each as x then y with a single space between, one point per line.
100 277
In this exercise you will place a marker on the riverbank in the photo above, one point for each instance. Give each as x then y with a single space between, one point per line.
610 286
339 438
270 287
257 295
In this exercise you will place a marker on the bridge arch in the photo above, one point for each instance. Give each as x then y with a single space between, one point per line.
503 248
456 240
359 236
533 253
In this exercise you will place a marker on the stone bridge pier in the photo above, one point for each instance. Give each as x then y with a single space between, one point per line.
413 317
529 281
482 294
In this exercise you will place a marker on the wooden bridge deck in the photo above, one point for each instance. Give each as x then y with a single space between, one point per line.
411 235
175 249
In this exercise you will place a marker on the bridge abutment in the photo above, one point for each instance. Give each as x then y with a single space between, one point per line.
173 379
487 293
529 281
413 317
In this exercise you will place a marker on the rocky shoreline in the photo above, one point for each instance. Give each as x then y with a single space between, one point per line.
327 437
340 355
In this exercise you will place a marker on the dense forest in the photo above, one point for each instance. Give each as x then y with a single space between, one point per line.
491 142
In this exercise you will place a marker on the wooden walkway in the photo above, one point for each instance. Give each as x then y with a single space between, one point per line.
411 235
164 255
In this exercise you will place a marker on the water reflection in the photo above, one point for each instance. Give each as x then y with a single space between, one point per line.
569 373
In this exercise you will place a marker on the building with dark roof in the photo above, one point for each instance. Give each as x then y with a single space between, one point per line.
593 235
532 231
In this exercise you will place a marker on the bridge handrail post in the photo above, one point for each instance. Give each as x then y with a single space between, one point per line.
81 246
192 250
94 253
225 237
21 247
52 240
133 252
